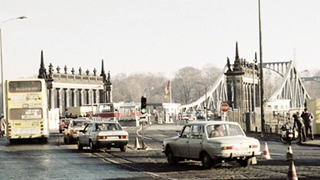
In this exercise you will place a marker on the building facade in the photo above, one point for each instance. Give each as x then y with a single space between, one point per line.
75 89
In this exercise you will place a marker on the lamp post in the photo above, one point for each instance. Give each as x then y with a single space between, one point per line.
2 79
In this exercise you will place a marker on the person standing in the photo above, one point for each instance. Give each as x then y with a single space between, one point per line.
308 120
298 121
3 126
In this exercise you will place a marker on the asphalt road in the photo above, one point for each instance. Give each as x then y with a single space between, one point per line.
57 160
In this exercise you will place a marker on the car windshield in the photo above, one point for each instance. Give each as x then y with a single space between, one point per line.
218 130
108 126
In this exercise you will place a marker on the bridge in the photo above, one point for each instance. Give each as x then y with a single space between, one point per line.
290 87
239 86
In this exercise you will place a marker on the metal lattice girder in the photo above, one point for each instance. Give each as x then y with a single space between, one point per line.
214 96
291 86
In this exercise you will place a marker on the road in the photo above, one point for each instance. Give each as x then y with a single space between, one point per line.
57 160
34 160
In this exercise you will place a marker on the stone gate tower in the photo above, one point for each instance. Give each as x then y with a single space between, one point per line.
242 84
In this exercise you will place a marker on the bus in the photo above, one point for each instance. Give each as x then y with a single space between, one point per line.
27 109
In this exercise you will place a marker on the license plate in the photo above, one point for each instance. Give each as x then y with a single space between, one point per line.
241 149
113 137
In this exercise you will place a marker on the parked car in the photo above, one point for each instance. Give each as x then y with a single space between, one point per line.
72 129
212 142
63 123
103 134
188 117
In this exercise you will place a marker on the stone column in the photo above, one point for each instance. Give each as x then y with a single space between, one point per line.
66 97
50 98
80 97
59 101
74 98
88 99
94 96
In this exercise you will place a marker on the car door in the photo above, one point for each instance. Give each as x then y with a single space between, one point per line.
86 135
195 142
182 142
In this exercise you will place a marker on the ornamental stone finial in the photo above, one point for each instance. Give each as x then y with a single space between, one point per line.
94 72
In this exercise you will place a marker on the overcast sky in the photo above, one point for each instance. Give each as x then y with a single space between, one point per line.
155 35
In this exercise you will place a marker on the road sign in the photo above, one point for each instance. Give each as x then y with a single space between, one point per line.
224 107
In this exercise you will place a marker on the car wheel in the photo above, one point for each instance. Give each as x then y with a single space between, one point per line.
245 162
92 148
123 148
68 139
172 160
80 147
207 162
283 140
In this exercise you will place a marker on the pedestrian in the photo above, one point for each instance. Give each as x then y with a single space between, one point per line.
3 126
298 121
308 119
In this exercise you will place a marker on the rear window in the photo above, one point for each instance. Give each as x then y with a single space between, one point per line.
108 127
224 130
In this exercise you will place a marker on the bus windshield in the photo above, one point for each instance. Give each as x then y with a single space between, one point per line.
24 86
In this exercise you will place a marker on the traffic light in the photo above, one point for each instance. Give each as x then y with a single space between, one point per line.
143 105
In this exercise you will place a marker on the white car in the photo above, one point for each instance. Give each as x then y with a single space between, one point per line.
72 129
103 134
212 142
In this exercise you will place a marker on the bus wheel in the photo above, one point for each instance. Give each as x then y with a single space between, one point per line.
12 141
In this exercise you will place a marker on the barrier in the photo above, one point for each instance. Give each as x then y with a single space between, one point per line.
266 154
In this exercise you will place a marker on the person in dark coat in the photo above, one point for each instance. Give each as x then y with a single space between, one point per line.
308 118
298 121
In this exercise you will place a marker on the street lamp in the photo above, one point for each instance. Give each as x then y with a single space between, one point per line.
2 79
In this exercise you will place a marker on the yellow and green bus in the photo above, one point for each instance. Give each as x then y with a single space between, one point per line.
27 109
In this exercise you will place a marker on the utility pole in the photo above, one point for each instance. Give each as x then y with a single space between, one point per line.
261 76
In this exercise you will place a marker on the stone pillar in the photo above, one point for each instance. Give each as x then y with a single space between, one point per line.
59 101
66 97
88 98
94 96
80 97
50 98
74 98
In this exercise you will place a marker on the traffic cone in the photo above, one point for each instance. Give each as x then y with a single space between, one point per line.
289 156
292 174
136 144
265 152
